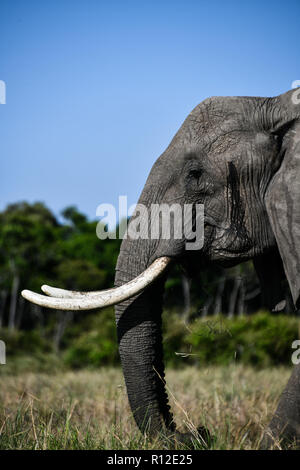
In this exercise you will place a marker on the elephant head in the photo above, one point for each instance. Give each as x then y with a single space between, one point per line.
240 158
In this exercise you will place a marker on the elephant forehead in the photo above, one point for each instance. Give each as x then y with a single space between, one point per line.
242 145
215 137
221 107
223 116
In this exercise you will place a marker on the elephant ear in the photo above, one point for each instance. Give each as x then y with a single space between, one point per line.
283 195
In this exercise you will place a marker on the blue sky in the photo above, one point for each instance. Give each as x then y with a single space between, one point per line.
97 89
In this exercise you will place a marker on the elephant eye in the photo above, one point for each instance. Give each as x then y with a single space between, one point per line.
195 174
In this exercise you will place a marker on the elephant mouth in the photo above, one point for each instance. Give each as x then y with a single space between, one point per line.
228 257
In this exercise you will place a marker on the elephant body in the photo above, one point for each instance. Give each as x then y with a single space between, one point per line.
239 157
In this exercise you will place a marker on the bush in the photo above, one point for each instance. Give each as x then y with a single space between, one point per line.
97 346
24 342
262 340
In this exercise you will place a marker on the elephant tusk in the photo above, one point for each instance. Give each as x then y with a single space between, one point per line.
70 294
104 298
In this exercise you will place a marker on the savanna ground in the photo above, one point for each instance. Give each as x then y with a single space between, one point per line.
88 409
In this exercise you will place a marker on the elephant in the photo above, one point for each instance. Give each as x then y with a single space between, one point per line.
240 158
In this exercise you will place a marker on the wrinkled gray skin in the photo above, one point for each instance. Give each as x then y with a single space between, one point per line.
240 156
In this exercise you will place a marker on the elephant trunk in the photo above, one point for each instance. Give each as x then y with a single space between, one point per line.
140 345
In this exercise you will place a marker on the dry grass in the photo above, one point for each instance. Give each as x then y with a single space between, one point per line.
89 409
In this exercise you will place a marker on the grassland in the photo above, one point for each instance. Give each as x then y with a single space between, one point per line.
89 409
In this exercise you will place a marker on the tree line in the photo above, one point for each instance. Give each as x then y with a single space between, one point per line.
36 248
